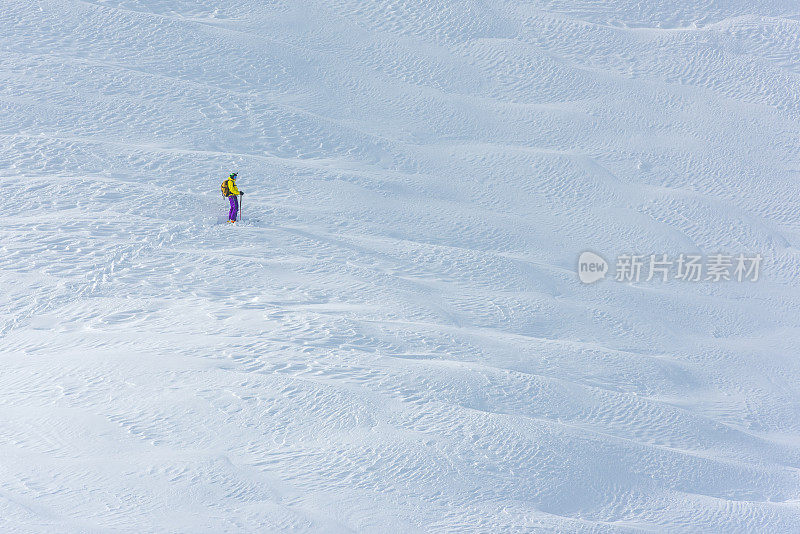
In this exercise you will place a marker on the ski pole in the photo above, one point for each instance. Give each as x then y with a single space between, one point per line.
241 197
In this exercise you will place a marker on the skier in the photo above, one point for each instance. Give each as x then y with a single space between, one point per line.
230 190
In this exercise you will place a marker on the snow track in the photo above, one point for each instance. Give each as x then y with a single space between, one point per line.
395 339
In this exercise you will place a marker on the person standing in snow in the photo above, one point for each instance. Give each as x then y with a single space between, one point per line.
233 196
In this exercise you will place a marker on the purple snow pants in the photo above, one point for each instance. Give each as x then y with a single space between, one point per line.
234 207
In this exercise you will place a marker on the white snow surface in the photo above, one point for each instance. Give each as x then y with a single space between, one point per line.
395 339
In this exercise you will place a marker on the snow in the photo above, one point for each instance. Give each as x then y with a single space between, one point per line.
395 339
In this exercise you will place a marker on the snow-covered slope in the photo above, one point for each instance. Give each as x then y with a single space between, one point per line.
395 338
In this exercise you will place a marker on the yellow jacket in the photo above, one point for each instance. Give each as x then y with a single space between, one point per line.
232 189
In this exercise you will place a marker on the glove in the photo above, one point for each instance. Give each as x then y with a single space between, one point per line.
241 193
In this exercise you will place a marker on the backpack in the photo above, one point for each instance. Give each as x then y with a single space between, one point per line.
225 191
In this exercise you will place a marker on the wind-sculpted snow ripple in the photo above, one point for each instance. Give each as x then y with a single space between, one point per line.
394 338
